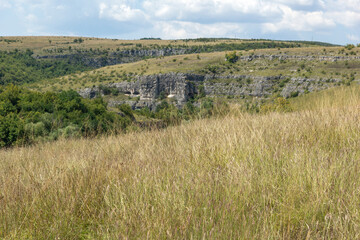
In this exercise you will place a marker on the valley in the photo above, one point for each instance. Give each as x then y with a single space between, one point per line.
208 138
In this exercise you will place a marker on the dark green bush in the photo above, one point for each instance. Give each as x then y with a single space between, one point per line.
127 110
231 57
27 116
294 94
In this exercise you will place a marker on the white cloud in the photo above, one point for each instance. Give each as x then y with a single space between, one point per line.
343 5
347 18
212 10
300 21
121 12
181 30
353 38
60 7
4 4
31 17
300 2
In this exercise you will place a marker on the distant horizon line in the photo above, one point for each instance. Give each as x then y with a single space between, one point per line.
171 39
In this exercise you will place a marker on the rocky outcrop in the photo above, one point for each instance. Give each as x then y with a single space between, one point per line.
240 85
150 88
148 91
302 85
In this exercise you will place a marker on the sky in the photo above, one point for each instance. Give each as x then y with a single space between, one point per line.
333 21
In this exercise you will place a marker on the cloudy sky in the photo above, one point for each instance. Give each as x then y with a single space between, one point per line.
335 21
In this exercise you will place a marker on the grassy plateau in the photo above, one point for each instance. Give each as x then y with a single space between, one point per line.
277 175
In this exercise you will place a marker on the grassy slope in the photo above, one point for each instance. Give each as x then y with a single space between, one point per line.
197 63
279 175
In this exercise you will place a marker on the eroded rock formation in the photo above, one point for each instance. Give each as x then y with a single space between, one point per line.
148 91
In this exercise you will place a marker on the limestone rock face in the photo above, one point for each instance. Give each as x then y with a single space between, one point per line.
89 92
241 85
148 91
150 88
300 85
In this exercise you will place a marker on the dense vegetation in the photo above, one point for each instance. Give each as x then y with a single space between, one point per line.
18 67
27 116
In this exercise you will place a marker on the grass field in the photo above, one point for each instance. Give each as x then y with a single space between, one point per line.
240 176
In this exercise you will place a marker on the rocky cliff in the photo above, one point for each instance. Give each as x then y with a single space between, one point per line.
180 88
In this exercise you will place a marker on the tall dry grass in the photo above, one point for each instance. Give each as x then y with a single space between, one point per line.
273 176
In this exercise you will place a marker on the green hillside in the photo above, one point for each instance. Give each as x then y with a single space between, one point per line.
18 67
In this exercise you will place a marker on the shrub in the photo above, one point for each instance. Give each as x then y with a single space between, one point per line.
350 46
35 129
206 107
189 111
126 109
71 131
201 92
105 89
162 95
11 129
213 68
279 104
231 57
294 94
168 113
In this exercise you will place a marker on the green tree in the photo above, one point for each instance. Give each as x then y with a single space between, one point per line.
11 129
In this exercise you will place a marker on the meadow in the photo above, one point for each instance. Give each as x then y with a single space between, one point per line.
276 175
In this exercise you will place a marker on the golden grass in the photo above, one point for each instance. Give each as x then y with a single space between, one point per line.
241 176
344 96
